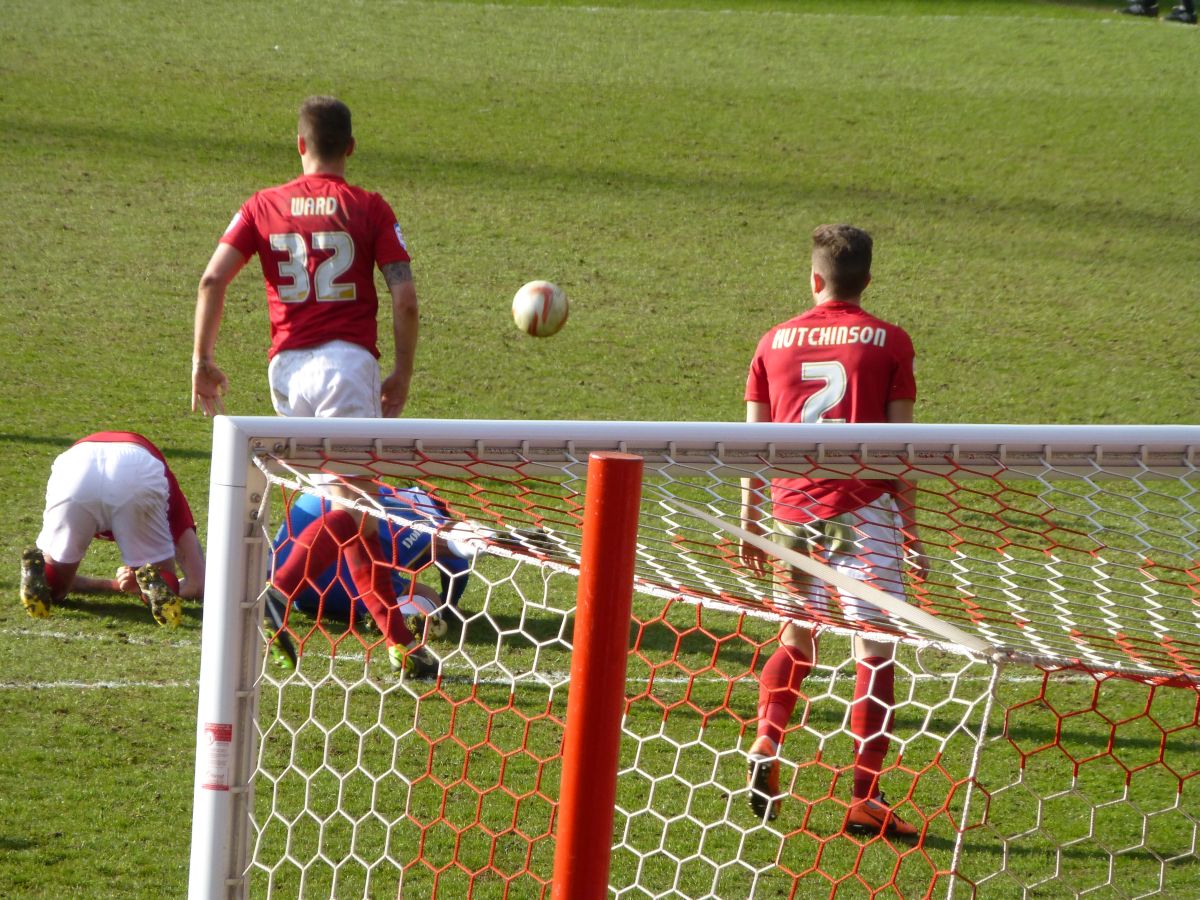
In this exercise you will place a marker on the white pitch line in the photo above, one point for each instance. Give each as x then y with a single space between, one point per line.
457 675
97 638
90 685
889 18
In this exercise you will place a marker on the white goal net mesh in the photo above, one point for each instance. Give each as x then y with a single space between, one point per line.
1055 755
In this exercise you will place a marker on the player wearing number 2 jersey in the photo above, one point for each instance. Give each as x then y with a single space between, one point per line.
833 363
319 240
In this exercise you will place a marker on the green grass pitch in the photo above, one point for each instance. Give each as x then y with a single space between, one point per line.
1027 169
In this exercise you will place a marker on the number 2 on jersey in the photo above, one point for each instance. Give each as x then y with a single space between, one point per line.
295 267
828 395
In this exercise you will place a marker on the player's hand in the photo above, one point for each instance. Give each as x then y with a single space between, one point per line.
127 581
754 558
918 559
394 395
209 385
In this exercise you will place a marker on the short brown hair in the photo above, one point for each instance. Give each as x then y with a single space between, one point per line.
842 254
325 126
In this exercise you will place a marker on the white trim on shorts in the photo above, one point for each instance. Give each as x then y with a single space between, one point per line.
335 379
107 486
873 553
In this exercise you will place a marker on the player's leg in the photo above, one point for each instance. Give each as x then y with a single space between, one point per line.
873 554
1148 8
339 379
1185 12
871 717
135 496
356 538
372 574
779 686
781 678
72 516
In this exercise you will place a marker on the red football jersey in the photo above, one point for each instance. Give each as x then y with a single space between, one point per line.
319 240
834 363
179 513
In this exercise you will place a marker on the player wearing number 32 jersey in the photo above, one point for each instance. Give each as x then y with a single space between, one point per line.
319 240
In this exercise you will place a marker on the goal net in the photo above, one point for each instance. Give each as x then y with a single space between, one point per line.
1044 739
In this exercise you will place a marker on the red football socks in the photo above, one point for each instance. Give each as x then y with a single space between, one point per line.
778 691
373 578
317 548
871 720
54 580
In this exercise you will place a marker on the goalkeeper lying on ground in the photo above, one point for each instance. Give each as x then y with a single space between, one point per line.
332 594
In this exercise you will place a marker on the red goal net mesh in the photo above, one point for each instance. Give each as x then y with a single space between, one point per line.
1062 761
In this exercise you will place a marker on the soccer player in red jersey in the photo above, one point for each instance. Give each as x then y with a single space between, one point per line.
319 240
115 485
833 363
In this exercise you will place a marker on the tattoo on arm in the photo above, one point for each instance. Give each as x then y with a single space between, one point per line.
396 273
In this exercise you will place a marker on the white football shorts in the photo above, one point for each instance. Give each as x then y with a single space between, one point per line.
97 487
334 379
865 544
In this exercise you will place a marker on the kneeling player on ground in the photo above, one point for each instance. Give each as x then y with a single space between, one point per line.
115 485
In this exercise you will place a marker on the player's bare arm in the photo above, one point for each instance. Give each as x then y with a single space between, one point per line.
405 328
191 563
209 383
752 493
396 273
89 584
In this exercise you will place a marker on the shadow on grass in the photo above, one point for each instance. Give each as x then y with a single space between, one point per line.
478 631
123 610
568 175
65 441
8 843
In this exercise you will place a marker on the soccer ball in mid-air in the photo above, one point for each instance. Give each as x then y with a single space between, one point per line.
540 308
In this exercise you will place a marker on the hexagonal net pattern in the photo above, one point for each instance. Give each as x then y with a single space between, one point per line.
1055 754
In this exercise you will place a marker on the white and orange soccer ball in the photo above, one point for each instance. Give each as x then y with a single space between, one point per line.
540 308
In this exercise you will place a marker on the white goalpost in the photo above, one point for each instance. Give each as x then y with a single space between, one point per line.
1045 738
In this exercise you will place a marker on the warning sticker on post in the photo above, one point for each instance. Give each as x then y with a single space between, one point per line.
218 740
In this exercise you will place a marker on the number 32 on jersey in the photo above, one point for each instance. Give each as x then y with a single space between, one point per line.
295 268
